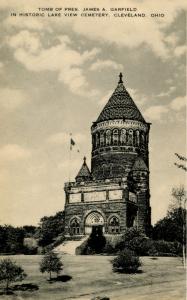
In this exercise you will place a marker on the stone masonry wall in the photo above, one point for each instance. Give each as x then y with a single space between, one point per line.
107 209
111 165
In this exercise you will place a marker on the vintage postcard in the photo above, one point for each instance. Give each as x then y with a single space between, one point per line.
92 149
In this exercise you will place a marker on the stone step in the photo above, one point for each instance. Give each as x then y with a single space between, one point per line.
69 247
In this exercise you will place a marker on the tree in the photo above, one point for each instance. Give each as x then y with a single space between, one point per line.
173 227
10 272
11 239
50 228
179 202
170 228
29 230
2 239
51 263
14 239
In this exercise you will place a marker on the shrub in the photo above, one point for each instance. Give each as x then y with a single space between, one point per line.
128 236
108 248
126 262
168 248
81 250
45 249
94 244
141 245
131 233
152 251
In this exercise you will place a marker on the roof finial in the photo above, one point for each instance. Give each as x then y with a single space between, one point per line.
120 78
84 159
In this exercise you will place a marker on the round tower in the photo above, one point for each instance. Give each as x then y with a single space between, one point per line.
119 136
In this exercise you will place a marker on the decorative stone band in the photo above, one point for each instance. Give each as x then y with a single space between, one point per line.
119 133
127 124
118 149
95 185
93 196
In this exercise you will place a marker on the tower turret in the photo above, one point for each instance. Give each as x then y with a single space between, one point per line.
84 172
119 136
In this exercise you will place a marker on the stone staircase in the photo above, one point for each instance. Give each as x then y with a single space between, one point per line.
69 246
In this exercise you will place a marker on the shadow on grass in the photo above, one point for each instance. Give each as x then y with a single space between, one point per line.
30 287
25 287
3 292
153 258
128 272
61 278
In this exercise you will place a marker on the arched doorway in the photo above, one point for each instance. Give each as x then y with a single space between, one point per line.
94 219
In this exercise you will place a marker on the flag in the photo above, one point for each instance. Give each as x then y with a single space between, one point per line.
72 143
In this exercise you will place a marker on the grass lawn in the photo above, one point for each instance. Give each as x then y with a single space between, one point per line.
162 279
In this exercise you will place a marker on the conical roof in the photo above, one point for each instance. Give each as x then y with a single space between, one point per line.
139 165
120 106
84 172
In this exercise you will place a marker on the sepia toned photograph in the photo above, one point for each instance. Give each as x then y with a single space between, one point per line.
93 150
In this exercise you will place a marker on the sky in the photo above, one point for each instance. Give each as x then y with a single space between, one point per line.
57 73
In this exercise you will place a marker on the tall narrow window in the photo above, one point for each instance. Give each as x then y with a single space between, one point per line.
114 225
75 227
142 139
108 137
123 137
110 169
115 137
104 170
130 137
97 139
137 138
102 138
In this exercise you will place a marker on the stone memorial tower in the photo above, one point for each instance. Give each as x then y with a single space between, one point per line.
115 194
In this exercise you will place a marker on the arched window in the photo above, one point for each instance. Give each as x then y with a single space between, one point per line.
108 137
115 136
102 140
114 226
75 227
123 136
130 137
137 138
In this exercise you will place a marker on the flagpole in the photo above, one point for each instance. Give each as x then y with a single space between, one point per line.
72 144
70 147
